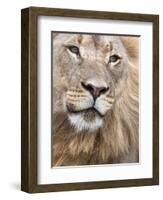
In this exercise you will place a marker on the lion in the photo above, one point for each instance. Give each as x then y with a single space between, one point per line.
95 99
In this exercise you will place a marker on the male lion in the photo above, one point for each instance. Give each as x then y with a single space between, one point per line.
95 99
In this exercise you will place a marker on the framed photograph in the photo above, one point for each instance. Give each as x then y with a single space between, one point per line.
90 99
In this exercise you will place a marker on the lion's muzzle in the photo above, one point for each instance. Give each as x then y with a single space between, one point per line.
93 95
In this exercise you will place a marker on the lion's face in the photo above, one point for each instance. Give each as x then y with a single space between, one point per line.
90 72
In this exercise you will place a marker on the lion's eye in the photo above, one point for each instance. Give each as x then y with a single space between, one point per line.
114 58
74 49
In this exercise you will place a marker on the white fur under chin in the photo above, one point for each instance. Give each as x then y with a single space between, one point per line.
80 124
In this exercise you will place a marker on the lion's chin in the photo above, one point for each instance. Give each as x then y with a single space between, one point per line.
85 121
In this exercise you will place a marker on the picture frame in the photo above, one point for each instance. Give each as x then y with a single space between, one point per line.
29 98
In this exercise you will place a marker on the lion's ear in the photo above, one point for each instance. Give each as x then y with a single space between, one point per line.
132 46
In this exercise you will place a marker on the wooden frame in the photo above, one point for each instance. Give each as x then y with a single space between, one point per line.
29 99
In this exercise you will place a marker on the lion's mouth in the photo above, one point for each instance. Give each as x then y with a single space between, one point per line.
91 112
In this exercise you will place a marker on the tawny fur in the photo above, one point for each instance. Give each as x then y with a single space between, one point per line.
117 140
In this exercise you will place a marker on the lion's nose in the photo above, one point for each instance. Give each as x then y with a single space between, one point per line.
94 90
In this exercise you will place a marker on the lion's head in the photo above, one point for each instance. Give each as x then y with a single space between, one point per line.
94 79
